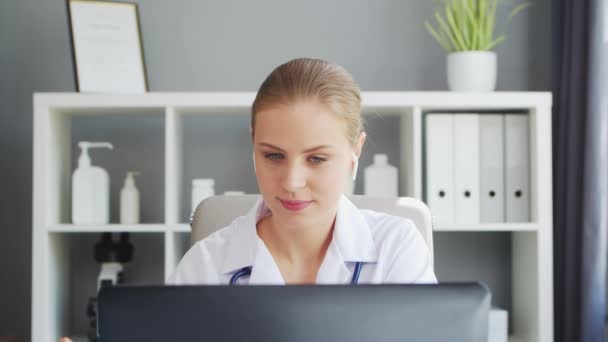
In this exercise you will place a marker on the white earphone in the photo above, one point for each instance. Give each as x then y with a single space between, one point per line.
356 161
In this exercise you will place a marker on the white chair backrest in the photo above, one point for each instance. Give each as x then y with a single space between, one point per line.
217 212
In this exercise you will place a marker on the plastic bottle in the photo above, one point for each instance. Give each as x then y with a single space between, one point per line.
129 200
90 188
380 178
201 189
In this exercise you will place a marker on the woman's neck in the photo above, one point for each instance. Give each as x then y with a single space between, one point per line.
297 246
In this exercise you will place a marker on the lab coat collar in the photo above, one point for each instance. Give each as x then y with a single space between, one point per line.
352 242
243 240
352 234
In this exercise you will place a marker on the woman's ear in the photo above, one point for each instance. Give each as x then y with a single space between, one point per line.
360 143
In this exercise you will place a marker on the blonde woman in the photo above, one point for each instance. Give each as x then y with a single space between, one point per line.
307 134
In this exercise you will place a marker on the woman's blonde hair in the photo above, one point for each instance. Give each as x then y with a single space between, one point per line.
313 79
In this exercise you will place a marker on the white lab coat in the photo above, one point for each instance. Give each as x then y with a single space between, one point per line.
391 248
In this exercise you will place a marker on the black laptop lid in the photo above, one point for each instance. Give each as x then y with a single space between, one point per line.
327 313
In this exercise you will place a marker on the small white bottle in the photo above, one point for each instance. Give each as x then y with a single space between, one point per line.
90 188
129 200
380 178
201 189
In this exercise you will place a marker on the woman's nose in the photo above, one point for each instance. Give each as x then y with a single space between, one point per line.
294 177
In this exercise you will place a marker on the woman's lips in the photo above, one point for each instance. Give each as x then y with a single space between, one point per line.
294 205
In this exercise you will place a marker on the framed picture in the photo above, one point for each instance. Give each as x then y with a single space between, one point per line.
107 47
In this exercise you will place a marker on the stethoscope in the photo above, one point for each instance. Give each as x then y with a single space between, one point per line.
246 272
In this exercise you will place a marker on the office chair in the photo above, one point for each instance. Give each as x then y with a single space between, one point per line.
217 212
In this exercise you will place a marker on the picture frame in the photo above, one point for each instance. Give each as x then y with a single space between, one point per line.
107 49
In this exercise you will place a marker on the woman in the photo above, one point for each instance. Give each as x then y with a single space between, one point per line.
307 134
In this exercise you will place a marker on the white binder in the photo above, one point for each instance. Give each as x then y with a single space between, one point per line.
466 168
517 188
439 167
491 168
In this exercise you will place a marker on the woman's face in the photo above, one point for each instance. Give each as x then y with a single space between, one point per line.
302 159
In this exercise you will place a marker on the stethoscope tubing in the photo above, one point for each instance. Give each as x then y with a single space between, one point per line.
246 271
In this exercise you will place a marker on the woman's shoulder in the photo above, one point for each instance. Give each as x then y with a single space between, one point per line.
384 226
402 246
202 262
219 238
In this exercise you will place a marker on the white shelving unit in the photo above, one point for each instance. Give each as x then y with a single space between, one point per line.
532 264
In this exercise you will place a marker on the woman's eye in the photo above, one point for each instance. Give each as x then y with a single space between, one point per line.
274 156
316 160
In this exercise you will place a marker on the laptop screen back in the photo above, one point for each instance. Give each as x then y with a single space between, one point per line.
326 313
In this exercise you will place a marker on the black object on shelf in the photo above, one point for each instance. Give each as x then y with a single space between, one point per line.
106 250
124 249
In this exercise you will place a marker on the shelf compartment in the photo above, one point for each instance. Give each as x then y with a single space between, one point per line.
383 128
507 263
206 154
532 191
72 276
138 146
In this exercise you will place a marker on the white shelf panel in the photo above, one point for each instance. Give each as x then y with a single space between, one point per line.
109 228
182 228
112 111
203 101
487 227
437 100
61 101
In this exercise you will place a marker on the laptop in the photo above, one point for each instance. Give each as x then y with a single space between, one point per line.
307 313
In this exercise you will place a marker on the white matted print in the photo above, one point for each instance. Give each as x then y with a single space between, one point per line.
107 47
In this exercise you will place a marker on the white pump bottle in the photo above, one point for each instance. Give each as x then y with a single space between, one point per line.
90 188
129 200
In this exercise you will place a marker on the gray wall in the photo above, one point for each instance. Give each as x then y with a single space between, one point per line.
229 45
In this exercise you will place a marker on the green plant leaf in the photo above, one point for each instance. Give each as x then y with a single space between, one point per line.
491 23
463 22
455 30
518 9
483 19
444 44
475 37
493 44
446 28
469 25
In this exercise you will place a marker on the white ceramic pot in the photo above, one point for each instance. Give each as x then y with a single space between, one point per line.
471 71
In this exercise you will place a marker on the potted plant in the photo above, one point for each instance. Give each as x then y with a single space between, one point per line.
467 32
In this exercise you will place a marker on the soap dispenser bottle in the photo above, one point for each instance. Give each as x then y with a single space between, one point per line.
129 200
90 188
380 178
